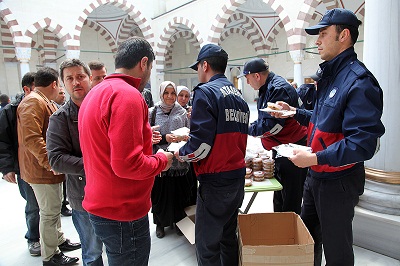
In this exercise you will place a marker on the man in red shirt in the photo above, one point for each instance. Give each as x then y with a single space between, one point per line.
116 142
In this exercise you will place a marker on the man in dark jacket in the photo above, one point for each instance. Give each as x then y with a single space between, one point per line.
65 155
219 126
343 131
9 163
274 131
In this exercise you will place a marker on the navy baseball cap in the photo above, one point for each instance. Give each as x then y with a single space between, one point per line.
336 16
255 65
209 50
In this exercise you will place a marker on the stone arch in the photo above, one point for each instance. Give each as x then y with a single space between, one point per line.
222 19
126 30
242 32
232 5
13 26
131 10
330 4
169 31
188 35
53 27
251 31
7 43
104 33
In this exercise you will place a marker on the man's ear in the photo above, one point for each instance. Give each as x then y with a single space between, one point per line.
91 78
344 35
205 66
143 63
26 89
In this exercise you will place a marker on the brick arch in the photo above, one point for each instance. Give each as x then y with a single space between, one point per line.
169 31
126 30
131 10
330 4
253 33
7 42
13 26
231 6
188 35
104 33
53 27
244 33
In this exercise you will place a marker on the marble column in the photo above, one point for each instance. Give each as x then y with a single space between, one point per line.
382 59
377 222
23 55
297 57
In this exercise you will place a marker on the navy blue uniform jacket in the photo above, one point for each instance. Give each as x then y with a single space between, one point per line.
218 131
345 125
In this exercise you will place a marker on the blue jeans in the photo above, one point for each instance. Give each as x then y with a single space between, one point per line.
127 243
92 247
31 210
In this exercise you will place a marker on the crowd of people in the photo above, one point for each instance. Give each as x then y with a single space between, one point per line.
110 144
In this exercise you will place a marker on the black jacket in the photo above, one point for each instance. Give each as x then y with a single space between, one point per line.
64 151
9 138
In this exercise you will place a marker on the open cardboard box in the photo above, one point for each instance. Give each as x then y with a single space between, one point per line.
274 239
186 225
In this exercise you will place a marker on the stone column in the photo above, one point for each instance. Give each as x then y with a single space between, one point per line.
377 221
297 57
23 55
382 59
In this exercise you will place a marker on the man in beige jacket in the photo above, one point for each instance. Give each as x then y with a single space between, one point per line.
32 121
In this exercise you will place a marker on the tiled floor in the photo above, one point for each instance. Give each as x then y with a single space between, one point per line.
172 250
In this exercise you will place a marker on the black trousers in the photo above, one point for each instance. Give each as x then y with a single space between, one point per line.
328 212
218 203
292 180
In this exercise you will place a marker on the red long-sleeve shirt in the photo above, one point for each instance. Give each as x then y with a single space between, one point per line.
115 138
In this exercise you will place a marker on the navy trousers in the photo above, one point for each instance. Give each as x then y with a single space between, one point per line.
328 212
218 203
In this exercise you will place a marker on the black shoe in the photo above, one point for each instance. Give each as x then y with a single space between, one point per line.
65 211
68 246
178 231
60 259
160 233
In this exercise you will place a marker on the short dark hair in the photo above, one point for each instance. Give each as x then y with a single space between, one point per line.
4 98
217 63
45 76
71 63
96 65
131 51
353 31
28 79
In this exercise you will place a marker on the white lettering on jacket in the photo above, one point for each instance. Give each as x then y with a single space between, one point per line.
232 115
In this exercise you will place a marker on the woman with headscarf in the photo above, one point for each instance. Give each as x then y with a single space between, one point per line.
171 190
184 98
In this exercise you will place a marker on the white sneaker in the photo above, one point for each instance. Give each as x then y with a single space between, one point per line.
34 248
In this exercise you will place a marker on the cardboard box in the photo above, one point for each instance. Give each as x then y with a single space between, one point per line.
274 239
187 224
